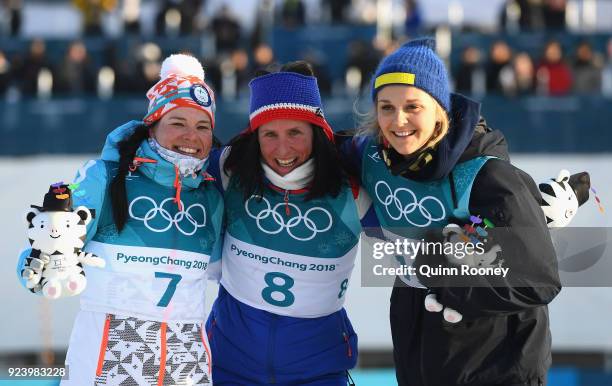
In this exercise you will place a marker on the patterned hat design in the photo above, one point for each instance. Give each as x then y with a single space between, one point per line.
181 85
286 95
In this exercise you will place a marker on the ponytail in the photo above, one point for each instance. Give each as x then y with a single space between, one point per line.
127 151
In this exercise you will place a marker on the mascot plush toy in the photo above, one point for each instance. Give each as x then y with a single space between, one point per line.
57 233
561 198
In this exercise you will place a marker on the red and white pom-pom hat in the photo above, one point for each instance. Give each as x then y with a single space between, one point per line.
181 85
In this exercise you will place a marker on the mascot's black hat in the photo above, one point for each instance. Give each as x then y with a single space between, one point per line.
57 199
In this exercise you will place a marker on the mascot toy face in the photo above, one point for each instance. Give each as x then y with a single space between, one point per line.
58 231
562 196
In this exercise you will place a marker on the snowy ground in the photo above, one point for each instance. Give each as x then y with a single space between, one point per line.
580 317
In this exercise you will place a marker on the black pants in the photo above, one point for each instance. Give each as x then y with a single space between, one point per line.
406 315
406 318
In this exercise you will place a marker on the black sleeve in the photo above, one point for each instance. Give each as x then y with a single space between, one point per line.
509 198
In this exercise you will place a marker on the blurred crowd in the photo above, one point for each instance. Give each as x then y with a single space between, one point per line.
516 73
530 15
237 53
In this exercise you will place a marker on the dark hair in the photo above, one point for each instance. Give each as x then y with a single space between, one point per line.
244 159
127 150
244 163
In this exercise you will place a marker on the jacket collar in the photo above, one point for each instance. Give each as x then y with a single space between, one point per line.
162 171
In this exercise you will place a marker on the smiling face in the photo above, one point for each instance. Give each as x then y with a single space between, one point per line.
285 144
407 117
185 130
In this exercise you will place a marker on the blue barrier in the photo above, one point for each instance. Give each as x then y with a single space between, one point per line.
80 125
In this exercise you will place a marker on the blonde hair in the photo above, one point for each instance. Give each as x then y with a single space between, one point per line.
369 125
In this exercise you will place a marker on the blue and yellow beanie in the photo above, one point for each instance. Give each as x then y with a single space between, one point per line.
416 64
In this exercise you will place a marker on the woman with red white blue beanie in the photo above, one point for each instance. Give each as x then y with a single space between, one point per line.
292 236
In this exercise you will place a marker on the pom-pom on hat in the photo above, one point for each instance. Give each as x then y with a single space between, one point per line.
416 64
181 85
286 95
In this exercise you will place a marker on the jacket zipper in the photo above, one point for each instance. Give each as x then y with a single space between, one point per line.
345 336
287 210
103 345
210 332
349 351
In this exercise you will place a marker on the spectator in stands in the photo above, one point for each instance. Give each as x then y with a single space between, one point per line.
178 16
92 11
168 17
293 13
553 75
524 15
76 74
5 74
130 14
146 67
470 71
264 15
150 73
263 57
414 19
28 69
240 61
364 58
337 10
227 30
587 70
523 76
500 59
189 12
554 14
13 11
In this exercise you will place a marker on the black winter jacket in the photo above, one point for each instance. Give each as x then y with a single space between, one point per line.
504 337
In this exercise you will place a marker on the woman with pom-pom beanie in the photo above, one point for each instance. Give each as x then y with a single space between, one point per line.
157 226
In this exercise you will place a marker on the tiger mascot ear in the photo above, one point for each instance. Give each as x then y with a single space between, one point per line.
84 213
29 216
562 196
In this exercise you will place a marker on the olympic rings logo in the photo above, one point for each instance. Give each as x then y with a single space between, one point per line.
393 204
292 222
176 220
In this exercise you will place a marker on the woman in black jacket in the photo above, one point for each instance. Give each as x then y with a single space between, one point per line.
427 162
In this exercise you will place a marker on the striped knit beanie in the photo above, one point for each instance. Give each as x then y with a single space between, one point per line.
416 64
181 85
286 95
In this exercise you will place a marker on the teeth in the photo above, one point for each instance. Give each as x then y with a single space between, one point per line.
187 150
403 133
286 162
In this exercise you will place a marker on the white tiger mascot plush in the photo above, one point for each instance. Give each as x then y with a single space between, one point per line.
561 198
57 233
